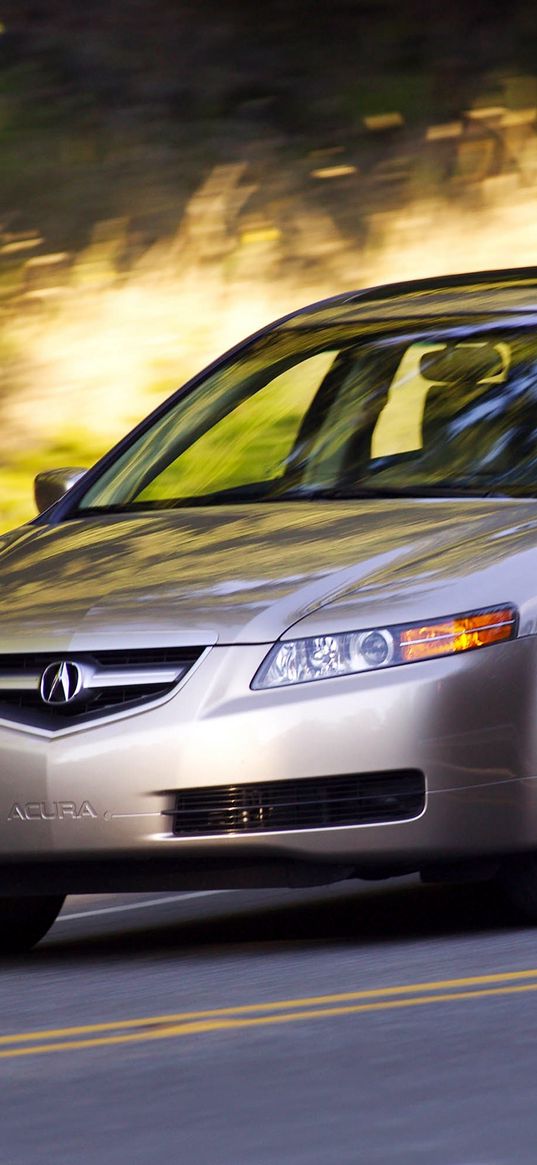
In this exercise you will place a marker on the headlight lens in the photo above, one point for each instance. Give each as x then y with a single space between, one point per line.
298 661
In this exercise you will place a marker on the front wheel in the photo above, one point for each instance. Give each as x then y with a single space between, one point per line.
24 921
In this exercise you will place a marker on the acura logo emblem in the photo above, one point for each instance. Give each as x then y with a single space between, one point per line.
61 682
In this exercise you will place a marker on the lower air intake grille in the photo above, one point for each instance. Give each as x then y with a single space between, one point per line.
313 803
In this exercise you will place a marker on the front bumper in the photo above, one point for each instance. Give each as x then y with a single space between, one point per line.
91 803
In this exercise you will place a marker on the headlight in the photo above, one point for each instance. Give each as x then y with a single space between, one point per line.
324 656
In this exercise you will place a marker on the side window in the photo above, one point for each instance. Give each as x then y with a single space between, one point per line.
399 428
248 445
462 372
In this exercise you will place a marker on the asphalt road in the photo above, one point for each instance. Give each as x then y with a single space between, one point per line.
364 1024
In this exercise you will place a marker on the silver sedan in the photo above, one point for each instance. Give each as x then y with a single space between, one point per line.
286 631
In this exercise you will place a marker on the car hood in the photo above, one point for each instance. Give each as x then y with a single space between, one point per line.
248 575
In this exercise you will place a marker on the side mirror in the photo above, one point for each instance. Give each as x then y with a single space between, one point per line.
50 486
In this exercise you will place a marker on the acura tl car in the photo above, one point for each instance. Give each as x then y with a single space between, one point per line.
285 632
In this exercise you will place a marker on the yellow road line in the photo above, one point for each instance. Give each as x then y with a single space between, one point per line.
278 1005
220 1021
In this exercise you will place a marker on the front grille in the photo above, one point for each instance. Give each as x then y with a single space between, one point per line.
311 803
114 680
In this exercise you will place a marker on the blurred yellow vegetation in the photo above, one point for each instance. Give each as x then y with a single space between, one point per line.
86 351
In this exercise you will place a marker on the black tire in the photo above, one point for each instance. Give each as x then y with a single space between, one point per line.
23 921
518 881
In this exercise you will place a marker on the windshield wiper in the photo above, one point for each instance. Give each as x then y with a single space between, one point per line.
326 494
448 489
261 494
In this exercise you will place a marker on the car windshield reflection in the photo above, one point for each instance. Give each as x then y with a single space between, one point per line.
324 414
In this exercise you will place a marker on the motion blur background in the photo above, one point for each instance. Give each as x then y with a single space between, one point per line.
175 173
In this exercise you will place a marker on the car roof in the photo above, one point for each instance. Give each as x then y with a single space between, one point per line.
500 292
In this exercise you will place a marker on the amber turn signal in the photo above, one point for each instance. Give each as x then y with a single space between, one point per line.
461 633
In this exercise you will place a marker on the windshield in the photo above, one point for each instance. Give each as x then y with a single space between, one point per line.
315 413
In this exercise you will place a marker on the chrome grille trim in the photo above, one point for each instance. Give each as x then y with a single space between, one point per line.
113 681
13 682
96 678
128 678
